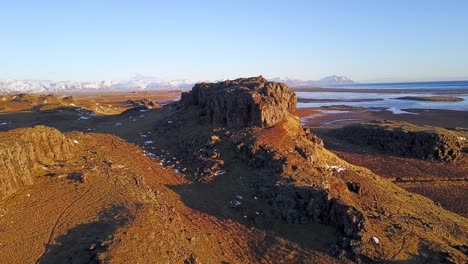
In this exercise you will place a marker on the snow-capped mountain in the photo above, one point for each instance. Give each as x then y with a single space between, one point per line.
334 79
45 86
293 82
137 82
132 84
330 80
22 86
180 84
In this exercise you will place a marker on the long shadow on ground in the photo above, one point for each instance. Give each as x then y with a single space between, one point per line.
83 243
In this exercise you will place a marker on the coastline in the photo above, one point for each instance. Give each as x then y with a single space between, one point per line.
443 106
383 90
321 117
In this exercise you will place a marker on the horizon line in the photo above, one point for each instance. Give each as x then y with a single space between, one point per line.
159 80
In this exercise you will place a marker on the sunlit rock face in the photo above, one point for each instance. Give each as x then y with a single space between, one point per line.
243 102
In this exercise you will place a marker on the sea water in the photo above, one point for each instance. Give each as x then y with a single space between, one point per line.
388 100
441 85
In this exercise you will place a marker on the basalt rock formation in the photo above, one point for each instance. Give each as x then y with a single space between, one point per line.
404 139
243 102
23 151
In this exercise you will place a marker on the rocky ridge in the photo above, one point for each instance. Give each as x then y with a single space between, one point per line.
404 139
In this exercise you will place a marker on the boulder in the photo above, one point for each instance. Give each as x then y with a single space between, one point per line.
243 102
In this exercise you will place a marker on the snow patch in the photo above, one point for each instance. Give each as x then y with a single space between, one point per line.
336 168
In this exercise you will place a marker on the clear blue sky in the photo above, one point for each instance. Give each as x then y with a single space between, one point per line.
364 40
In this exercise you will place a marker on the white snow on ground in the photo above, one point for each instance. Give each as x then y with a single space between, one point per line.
336 168
376 240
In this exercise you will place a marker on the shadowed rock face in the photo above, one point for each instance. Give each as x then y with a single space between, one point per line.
243 102
22 151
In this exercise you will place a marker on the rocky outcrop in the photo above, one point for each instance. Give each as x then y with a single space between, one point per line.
300 204
243 102
307 205
404 139
145 102
23 151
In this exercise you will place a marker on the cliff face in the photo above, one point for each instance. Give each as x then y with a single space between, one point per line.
243 102
22 151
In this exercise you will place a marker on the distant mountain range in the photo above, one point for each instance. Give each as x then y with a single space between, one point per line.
136 83
43 86
329 80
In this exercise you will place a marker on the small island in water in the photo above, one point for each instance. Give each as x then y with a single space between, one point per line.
432 98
